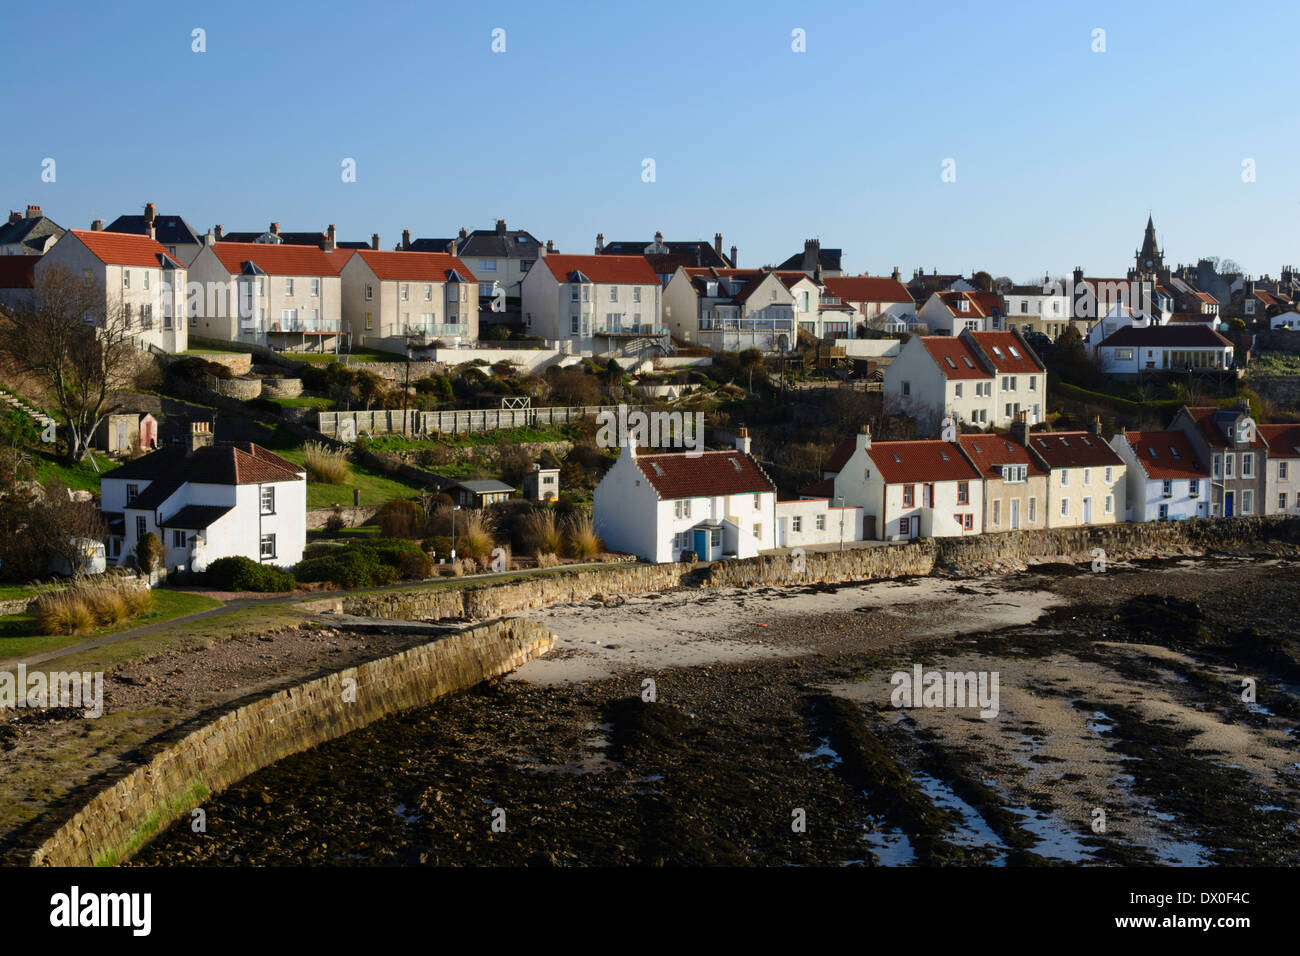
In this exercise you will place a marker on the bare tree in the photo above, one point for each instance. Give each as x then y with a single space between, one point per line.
75 341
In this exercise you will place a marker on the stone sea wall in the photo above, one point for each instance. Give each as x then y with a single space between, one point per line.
120 819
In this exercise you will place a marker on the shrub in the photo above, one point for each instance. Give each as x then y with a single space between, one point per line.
65 612
546 559
148 553
541 532
383 561
83 607
334 523
238 573
474 535
580 538
400 519
329 466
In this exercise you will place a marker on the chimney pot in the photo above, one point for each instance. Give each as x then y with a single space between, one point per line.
97 226
374 240
735 263
406 238
717 243
501 227
600 242
33 212
15 217
275 228
150 212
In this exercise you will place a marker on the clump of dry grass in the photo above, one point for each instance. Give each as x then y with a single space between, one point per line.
64 613
474 535
541 532
86 606
546 559
326 465
580 539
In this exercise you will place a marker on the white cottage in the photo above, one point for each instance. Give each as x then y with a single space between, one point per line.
1167 481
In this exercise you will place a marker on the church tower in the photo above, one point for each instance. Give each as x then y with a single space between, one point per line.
1149 261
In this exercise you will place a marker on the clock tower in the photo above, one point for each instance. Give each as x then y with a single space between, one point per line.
1149 261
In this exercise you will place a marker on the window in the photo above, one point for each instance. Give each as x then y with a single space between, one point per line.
613 293
1162 513
758 530
1167 488
146 278
268 501
487 265
1109 473
1282 470
909 496
997 511
1247 502
406 291
428 292
682 508
957 391
1065 477
268 546
758 502
1281 501
907 388
821 520
796 524
1218 466
288 287
315 287
1087 476
573 325
126 278
1227 466
573 293
1065 507
1248 465
1008 409
1033 509
963 492
1250 306
970 522
636 293
370 319
178 538
261 285
1033 383
370 294
1110 504
132 491
141 527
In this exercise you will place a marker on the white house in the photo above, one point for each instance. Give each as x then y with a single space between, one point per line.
878 302
594 303
803 522
1044 308
1282 477
1285 320
1166 480
206 501
729 310
953 311
1085 478
1170 348
284 296
718 504
910 489
392 300
137 276
984 378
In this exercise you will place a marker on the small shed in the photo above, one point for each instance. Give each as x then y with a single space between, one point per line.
542 484
117 432
476 494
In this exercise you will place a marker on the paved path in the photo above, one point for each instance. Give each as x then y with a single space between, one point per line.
239 603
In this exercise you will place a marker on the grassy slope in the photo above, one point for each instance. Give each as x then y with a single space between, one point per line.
375 488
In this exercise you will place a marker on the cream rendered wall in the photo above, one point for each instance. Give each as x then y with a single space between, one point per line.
214 291
1068 483
540 299
1004 492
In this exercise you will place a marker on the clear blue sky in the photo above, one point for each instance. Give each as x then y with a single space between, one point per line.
1060 152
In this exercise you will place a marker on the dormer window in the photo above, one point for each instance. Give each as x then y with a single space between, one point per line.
963 305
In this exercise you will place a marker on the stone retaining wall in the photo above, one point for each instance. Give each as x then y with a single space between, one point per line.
281 387
973 554
352 517
243 389
120 819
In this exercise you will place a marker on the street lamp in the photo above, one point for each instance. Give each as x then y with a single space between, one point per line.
840 499
454 509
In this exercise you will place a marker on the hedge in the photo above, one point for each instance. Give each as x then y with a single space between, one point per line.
244 574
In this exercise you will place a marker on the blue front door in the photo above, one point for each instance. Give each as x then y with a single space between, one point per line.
1227 504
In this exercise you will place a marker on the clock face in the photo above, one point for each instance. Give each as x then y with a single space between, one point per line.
1148 262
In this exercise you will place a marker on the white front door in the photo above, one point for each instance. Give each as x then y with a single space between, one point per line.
1087 511
780 532
1015 514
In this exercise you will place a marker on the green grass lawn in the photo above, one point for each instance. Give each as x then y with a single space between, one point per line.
19 637
79 477
1275 363
359 355
375 488
467 439
303 402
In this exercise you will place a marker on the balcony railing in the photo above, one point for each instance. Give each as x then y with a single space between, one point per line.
306 325
631 329
746 325
435 330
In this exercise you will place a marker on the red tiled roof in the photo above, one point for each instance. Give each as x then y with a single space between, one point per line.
711 473
909 462
1073 450
982 304
986 452
819 489
867 289
413 266
121 248
840 457
18 272
1203 415
1007 352
613 270
1283 440
954 356
1165 454
281 260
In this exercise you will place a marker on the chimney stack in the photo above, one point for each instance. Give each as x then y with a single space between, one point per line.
811 254
200 436
15 217
406 239
329 245
1020 428
451 247
600 242
817 273
742 440
209 238
864 438
374 240
97 226
275 229
735 263
150 212
717 243
464 233
33 212
1095 425
501 227
217 231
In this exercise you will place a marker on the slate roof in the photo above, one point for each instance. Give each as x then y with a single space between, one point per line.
484 486
1166 454
226 463
708 474
692 254
1183 336
168 230
912 462
490 244
1073 450
30 233
828 259
197 517
1213 421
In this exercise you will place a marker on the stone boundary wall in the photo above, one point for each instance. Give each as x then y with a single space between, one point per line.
120 819
385 421
281 387
352 516
969 555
